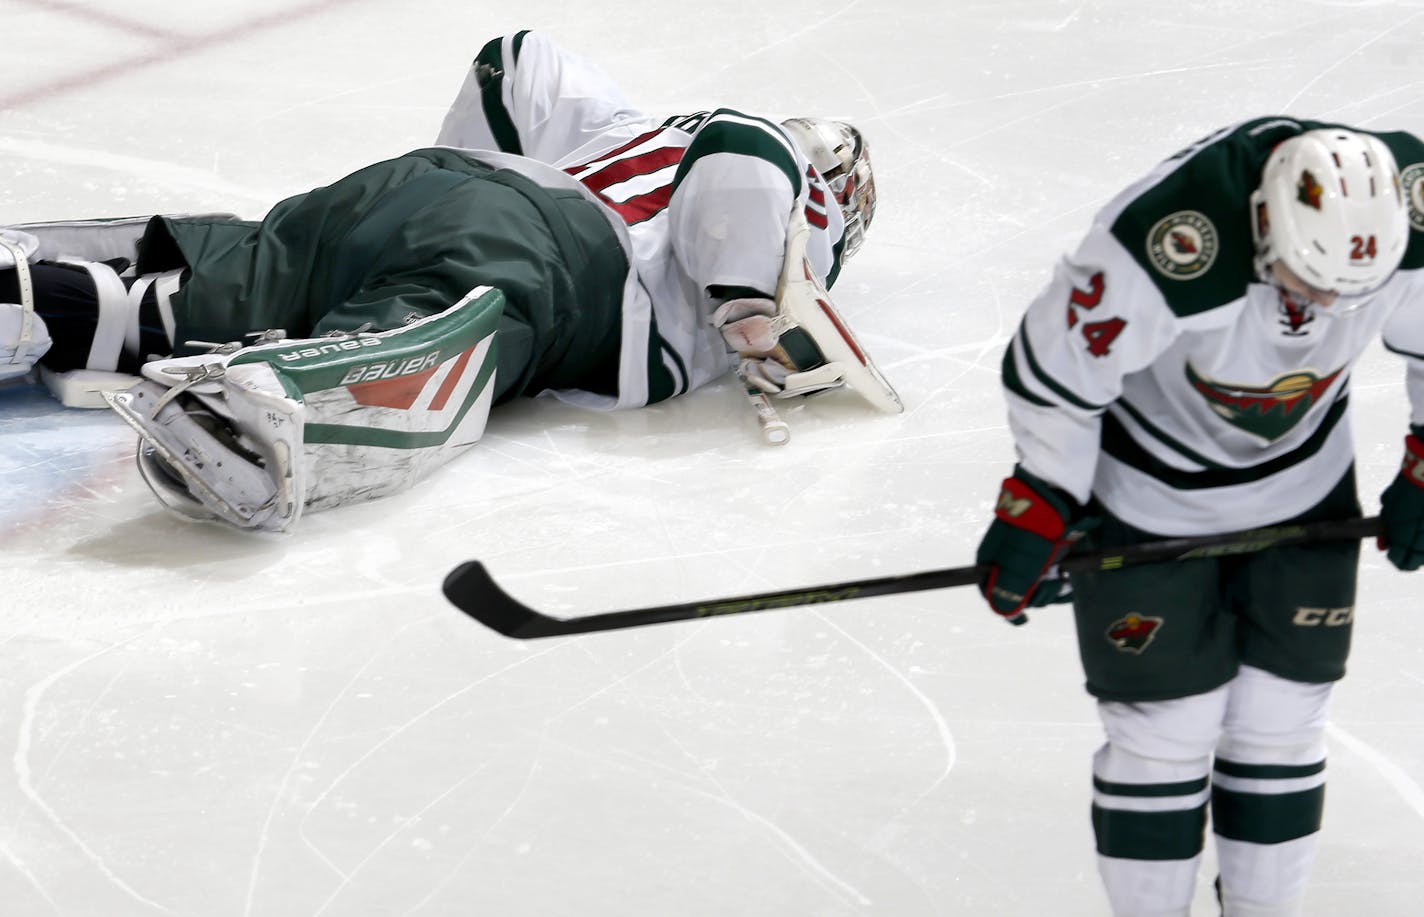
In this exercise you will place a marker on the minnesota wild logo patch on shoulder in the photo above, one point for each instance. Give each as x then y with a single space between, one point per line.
1182 245
1132 633
1413 179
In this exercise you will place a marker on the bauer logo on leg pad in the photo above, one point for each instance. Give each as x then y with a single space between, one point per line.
407 388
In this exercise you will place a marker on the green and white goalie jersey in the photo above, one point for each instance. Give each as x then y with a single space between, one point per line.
699 201
1159 374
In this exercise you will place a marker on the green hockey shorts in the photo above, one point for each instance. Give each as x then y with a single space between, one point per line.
1175 629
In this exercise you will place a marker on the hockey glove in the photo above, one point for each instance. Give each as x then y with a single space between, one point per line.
748 324
1034 526
1402 508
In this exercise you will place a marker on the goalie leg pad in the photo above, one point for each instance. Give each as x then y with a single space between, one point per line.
326 421
23 335
118 338
95 240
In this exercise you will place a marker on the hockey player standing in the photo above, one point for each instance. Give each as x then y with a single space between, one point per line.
1186 372
557 240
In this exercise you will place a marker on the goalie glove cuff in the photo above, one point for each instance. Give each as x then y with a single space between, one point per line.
748 325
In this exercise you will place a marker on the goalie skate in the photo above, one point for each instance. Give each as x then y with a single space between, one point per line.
816 346
195 462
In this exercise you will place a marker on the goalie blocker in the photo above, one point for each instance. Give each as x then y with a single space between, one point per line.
254 436
799 344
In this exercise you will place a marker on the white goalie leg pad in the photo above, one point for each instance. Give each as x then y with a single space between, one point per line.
116 332
815 346
318 423
23 335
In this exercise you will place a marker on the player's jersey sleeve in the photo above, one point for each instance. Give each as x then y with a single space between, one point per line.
1404 335
526 95
733 194
1099 319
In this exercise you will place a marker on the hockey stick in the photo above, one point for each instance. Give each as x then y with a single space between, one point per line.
473 591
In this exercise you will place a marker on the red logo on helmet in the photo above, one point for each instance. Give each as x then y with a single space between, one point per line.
1308 190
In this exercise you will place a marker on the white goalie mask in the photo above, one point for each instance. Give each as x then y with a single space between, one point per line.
1330 208
840 154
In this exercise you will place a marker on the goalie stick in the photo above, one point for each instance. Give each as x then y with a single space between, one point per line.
472 590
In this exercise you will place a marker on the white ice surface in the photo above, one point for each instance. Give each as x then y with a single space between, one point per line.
195 722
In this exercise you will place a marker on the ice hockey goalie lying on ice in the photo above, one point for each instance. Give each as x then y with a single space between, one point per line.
556 239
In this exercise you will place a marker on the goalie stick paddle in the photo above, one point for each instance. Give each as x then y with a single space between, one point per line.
472 590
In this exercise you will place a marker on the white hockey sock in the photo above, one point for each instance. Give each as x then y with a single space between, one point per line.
1269 791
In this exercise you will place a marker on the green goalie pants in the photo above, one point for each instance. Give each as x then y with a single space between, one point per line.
403 240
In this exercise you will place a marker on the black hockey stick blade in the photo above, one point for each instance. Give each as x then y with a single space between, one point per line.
471 589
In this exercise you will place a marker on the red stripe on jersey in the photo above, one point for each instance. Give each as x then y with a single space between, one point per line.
817 196
619 151
632 167
816 218
637 209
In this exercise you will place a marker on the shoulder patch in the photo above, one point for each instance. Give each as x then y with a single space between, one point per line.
1408 153
1190 225
1412 177
1183 245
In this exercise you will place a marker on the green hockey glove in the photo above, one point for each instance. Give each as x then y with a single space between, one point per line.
1034 526
1402 508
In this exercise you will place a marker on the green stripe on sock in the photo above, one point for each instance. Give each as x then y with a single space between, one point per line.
1267 771
1149 835
1259 818
1150 790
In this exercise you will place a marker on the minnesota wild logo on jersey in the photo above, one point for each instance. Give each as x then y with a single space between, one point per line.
1412 177
1182 245
1269 411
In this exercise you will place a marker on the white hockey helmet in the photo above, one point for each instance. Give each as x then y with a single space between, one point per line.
1330 208
840 154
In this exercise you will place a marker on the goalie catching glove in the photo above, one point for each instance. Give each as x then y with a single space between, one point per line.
798 344
254 436
1035 525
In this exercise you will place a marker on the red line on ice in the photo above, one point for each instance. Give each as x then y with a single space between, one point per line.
177 46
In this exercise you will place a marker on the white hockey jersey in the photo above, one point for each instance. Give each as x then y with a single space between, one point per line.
1158 374
699 201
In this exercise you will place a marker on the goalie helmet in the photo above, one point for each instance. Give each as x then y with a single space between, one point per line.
1330 208
840 154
